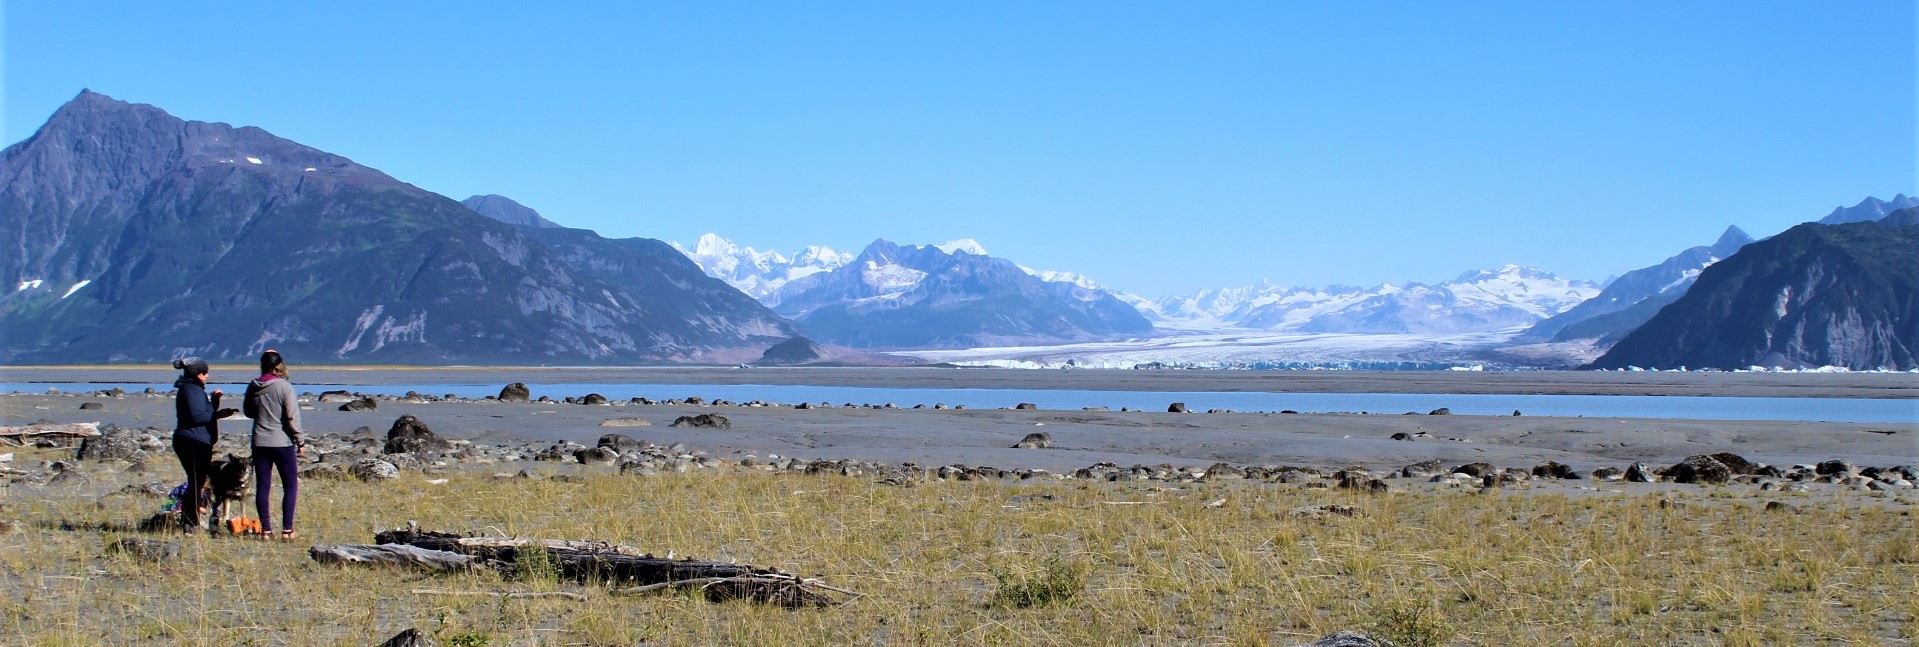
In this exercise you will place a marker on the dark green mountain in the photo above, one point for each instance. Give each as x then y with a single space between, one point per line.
1816 295
140 237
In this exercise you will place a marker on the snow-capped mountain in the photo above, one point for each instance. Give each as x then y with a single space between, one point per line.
1478 301
949 296
760 274
1635 296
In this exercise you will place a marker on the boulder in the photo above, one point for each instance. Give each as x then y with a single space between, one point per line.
1641 473
1738 464
373 469
795 350
515 392
1442 411
115 443
1421 469
92 406
593 398
1035 440
410 638
1609 474
1825 468
336 396
704 421
1475 470
1555 470
623 443
1026 406
1403 436
1357 480
411 436
361 404
1176 407
601 455
1701 469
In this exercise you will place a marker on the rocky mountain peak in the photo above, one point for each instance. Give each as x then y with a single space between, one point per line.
504 209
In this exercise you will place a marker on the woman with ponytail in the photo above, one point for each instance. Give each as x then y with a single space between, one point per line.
276 442
195 430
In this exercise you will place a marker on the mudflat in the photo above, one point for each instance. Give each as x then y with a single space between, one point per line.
1770 385
1081 438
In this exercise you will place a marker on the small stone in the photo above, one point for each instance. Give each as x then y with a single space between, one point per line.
374 469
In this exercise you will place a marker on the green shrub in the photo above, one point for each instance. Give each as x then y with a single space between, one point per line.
1057 581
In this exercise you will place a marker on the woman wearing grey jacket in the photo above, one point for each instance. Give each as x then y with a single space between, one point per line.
276 441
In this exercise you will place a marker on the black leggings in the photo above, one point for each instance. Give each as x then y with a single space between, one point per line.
195 459
265 461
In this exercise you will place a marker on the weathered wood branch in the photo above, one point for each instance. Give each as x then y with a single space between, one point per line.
438 561
591 562
522 595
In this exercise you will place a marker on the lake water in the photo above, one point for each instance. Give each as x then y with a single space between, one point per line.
1592 406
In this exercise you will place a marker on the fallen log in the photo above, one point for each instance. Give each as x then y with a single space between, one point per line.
592 562
18 436
437 561
522 595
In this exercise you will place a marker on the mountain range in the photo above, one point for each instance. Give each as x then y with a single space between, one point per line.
140 237
1815 295
1635 296
948 296
1477 301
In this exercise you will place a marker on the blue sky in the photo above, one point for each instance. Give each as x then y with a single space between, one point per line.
1157 147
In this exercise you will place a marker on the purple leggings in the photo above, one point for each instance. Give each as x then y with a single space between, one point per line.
265 460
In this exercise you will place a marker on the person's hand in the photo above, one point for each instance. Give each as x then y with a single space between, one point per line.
224 413
300 450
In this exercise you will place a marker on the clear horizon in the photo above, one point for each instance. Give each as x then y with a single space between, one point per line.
1154 149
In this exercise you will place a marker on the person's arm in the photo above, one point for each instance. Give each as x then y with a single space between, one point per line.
292 421
248 407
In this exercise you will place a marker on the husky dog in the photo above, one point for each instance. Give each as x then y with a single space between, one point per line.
228 480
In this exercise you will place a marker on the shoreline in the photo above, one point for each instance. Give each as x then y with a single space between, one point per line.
1714 384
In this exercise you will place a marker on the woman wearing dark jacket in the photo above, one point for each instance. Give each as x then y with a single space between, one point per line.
196 429
276 442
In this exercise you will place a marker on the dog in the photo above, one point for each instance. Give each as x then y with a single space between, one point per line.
228 480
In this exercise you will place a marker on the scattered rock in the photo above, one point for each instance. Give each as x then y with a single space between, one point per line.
593 399
1475 470
1035 440
1780 506
623 443
116 443
325 471
1736 463
1826 468
1357 480
11 525
1403 436
1423 469
1026 406
1609 474
704 420
1554 469
1344 639
1442 411
336 396
515 392
1701 469
410 638
410 436
626 422
1321 511
361 404
1641 473
373 469
601 455
1176 407
92 406
147 549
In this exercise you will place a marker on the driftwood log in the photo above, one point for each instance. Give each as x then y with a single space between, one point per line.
592 562
20 435
437 561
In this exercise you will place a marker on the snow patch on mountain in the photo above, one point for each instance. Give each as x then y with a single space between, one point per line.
759 274
966 245
891 278
1477 301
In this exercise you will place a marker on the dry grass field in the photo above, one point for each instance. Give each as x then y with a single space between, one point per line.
999 563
